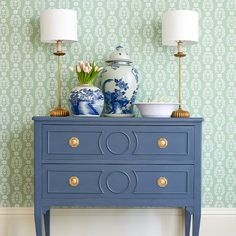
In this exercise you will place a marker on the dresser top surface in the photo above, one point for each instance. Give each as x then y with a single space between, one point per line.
73 119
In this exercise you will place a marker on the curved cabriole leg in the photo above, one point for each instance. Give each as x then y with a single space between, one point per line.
196 222
38 220
47 222
187 221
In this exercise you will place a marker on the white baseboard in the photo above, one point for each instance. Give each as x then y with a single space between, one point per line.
117 222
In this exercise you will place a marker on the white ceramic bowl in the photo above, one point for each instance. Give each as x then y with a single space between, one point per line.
153 109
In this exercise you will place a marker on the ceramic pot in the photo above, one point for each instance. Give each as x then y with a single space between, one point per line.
154 109
119 83
86 100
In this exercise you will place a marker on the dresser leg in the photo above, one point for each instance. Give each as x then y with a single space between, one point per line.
38 221
47 222
196 222
187 221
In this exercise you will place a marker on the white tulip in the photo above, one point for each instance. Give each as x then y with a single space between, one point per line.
81 63
86 69
78 69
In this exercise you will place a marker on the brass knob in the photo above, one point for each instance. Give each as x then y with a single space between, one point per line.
162 182
74 142
162 143
73 181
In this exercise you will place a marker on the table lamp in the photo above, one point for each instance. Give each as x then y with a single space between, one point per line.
57 26
180 27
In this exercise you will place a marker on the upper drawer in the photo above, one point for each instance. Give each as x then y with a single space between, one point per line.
118 142
172 140
71 140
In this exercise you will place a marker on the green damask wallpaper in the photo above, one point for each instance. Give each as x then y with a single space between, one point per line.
28 80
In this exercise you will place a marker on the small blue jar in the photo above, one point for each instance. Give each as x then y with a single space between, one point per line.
86 100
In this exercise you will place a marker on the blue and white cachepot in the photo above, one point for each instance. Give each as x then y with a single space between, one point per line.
86 100
119 83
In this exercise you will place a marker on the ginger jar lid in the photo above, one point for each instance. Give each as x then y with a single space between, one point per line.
119 54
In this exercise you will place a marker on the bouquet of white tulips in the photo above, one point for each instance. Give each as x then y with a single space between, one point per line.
86 72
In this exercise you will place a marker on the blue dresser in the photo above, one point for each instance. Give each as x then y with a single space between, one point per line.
125 162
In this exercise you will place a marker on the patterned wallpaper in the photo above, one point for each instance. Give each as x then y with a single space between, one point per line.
28 80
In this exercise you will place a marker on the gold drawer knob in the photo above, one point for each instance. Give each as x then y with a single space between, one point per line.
73 181
74 142
162 143
162 182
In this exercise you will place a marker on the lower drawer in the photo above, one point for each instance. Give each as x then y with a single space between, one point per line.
117 181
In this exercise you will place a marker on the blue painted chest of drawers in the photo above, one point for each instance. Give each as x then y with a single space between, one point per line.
128 162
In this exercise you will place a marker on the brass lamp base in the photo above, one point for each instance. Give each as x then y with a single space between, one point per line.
180 113
59 112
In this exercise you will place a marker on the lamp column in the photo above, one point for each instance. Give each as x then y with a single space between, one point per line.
59 111
180 113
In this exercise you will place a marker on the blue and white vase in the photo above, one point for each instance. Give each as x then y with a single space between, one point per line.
86 100
119 83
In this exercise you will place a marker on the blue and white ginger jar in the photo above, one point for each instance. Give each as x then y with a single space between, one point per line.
86 100
119 83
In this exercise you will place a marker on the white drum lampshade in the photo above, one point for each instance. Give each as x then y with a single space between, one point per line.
179 25
58 24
